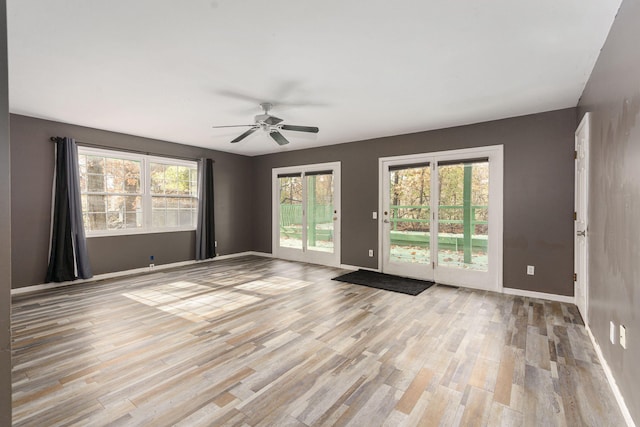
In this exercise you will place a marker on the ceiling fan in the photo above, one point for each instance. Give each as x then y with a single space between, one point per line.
271 124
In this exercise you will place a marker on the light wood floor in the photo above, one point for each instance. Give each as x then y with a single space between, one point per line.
259 342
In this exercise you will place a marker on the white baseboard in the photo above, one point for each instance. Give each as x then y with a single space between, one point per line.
509 291
262 254
539 295
44 286
612 382
356 267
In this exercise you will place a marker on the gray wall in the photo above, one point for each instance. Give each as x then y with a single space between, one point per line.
612 95
538 192
5 229
538 201
32 159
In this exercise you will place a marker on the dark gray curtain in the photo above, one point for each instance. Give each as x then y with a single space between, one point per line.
205 231
68 258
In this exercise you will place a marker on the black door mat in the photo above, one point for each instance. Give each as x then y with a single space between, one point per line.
387 282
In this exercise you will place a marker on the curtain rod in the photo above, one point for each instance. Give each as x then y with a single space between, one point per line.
128 150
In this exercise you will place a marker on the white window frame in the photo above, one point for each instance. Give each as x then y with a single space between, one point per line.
145 187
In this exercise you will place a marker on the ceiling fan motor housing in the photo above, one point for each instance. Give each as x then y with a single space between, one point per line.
261 118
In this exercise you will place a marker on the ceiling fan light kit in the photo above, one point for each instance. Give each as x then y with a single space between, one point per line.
270 124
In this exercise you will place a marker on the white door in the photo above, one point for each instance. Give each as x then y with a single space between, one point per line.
581 238
306 207
441 217
407 218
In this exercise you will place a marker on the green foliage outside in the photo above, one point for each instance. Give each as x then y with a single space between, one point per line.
410 191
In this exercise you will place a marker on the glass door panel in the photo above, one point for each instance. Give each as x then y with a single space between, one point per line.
291 218
407 220
409 214
463 214
320 212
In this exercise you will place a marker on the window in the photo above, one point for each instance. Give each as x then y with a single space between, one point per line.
174 195
125 193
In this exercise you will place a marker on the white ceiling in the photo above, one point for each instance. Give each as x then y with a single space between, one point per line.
171 69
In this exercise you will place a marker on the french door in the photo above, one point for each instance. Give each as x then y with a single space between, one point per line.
581 237
441 217
306 208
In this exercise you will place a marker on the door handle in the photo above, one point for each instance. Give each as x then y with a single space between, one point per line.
582 233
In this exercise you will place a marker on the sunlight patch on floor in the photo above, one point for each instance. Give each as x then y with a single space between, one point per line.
273 285
191 301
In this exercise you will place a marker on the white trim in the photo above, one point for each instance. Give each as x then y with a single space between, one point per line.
612 381
135 231
262 254
446 155
110 152
539 295
45 286
357 267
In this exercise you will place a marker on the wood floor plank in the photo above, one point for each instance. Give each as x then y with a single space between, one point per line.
415 390
477 407
441 408
254 341
543 406
504 381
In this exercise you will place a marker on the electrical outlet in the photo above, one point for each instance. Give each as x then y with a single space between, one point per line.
623 336
370 252
612 332
531 270
215 243
374 215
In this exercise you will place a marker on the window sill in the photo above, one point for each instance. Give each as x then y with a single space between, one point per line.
132 232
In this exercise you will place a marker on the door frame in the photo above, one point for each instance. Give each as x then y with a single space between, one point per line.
314 257
494 279
581 264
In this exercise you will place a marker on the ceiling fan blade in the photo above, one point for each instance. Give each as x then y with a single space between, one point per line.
231 126
277 136
311 129
273 120
246 134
